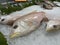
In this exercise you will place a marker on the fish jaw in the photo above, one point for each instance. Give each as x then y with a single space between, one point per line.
6 20
14 35
53 25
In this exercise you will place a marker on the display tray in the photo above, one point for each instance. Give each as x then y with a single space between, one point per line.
39 36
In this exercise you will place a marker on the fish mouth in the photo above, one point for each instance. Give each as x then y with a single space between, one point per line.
50 29
13 35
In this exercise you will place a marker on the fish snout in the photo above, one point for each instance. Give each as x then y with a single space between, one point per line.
53 25
14 35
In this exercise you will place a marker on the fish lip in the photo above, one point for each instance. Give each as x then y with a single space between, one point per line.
13 35
49 29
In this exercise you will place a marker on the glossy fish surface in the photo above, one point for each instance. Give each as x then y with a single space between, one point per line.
9 19
27 24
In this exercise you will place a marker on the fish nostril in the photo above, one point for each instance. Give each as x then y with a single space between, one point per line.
15 26
2 19
54 26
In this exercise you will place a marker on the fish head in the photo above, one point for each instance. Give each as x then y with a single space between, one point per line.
21 28
15 30
53 25
3 19
6 20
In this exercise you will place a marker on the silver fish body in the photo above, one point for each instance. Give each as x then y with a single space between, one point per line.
27 24
10 19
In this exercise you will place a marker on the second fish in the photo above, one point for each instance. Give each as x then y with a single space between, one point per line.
27 24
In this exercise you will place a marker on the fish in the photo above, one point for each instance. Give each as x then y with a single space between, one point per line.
53 25
9 19
27 24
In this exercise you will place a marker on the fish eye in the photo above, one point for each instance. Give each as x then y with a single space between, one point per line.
54 26
15 26
2 19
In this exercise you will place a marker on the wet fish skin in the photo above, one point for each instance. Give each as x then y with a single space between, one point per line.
27 24
9 19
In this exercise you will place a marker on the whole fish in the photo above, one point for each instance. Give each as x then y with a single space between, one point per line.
27 24
9 19
53 25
